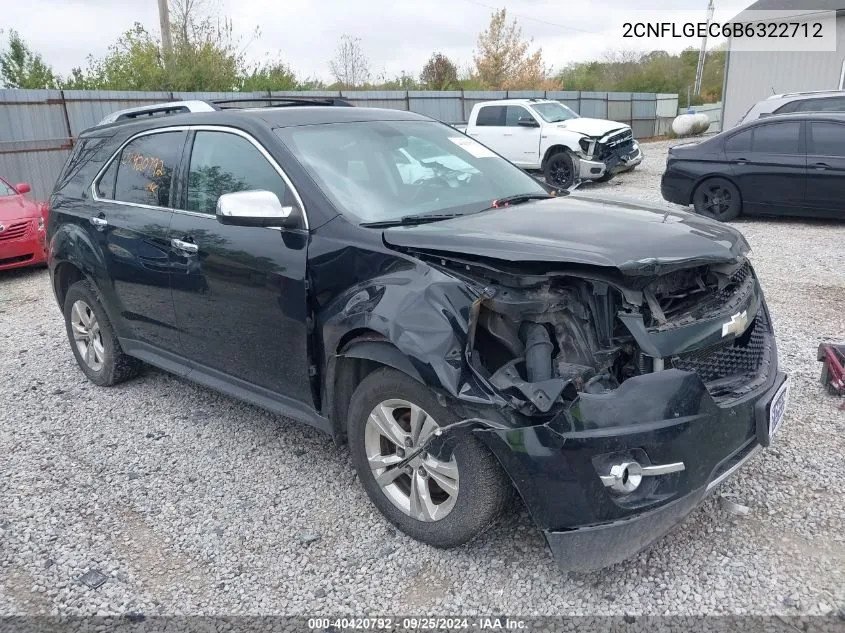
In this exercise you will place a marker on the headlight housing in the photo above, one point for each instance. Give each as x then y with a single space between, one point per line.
585 144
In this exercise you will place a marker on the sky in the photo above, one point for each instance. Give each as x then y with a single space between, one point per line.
396 35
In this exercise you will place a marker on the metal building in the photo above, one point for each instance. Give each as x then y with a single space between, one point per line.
752 76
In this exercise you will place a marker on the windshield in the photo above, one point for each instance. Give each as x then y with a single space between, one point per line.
553 112
384 170
6 190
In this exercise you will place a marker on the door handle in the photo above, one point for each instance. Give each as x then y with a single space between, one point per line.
821 166
473 134
507 134
740 161
188 247
98 222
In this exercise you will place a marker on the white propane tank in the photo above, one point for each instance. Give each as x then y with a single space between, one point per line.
683 124
702 123
690 124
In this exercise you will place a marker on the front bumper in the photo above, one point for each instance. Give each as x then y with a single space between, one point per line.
594 169
628 161
663 417
27 251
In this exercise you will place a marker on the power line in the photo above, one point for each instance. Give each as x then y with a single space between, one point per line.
528 17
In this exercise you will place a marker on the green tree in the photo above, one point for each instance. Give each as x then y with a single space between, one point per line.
20 67
439 73
271 75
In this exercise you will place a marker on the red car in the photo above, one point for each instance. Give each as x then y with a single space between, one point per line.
22 227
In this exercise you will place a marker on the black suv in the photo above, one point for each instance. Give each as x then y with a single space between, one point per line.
392 282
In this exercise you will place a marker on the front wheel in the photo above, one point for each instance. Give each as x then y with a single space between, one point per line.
718 199
560 170
442 502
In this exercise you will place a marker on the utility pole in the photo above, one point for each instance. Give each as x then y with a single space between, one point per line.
164 19
699 71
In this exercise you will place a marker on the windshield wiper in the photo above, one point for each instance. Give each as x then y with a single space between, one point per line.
519 198
411 220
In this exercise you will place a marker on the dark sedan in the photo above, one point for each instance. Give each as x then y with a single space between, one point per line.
785 165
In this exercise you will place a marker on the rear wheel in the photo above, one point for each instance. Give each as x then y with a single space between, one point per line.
560 170
442 502
717 198
92 339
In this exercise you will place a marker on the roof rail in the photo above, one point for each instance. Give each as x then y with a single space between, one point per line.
158 109
182 107
807 93
281 102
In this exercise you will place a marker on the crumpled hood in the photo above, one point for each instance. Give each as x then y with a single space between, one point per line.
592 127
600 231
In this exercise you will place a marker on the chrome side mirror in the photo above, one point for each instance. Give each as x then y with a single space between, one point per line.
254 208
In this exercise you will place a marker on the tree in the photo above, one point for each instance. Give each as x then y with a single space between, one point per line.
350 66
20 67
271 75
439 73
502 59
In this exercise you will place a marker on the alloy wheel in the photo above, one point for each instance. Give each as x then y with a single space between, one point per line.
560 171
423 487
87 335
717 200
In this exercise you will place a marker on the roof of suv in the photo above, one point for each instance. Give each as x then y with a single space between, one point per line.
274 117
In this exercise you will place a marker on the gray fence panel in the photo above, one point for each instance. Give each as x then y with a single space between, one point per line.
526 94
643 129
446 105
644 106
619 106
569 98
32 114
88 107
593 105
391 99
39 168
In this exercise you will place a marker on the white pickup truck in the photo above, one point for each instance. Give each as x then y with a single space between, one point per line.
546 135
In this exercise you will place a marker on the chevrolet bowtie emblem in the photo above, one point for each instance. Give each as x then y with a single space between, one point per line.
737 324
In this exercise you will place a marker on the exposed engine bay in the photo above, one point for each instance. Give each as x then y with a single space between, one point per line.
543 339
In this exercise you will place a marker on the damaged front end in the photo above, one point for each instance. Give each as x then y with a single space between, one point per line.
543 339
637 393
616 151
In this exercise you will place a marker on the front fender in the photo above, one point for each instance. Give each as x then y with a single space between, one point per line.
421 312
566 138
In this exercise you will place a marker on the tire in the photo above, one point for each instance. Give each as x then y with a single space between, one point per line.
482 489
89 330
718 199
559 170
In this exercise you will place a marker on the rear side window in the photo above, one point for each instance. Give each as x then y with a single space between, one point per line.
491 115
225 163
828 139
777 138
828 104
145 169
105 186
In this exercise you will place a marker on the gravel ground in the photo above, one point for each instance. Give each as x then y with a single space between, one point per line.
191 502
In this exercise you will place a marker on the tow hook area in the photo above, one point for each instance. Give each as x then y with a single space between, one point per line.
626 476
